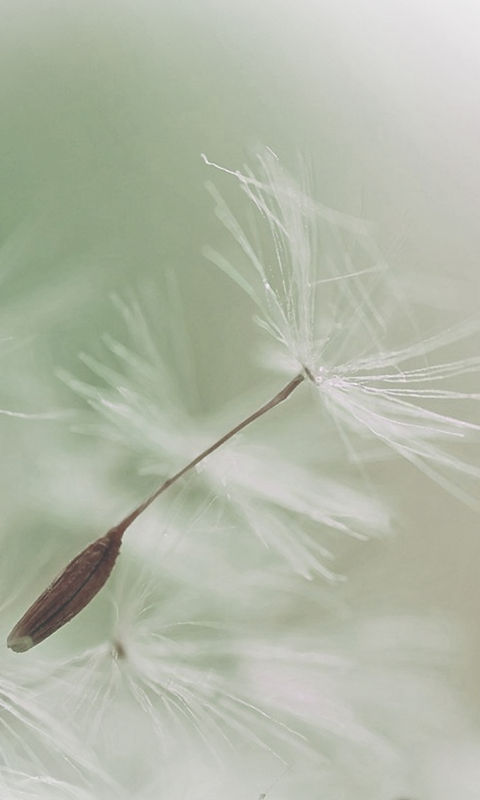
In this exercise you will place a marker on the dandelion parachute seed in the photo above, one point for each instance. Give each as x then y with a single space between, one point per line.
83 577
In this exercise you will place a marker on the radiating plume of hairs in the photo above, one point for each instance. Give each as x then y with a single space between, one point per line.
323 293
179 678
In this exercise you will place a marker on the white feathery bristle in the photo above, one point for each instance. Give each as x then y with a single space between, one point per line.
323 292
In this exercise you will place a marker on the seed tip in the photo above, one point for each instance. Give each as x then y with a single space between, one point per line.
19 644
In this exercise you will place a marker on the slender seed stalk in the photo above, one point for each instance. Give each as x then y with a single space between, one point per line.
83 577
279 398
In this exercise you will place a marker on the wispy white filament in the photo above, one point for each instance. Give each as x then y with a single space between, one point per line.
323 293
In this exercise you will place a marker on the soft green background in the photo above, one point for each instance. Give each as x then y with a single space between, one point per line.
106 108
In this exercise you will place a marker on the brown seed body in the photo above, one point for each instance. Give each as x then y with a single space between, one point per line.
69 593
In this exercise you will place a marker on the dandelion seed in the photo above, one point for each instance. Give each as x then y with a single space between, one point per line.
83 578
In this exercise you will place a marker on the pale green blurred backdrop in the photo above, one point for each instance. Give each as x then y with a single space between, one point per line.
106 108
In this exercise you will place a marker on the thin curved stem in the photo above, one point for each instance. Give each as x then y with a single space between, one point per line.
275 401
